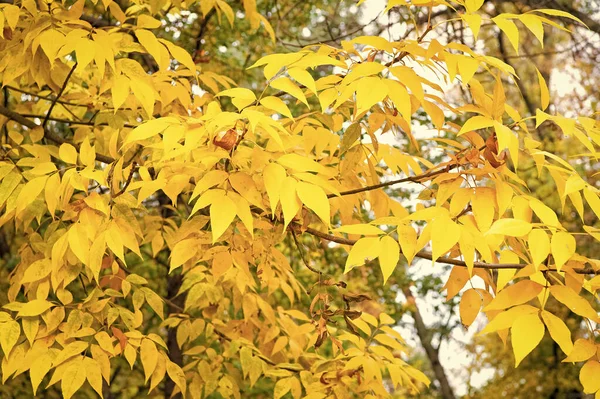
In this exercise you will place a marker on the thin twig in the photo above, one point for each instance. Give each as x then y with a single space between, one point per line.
60 93
128 181
414 179
304 260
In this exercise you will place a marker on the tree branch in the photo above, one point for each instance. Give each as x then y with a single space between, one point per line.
443 259
22 120
414 179
60 93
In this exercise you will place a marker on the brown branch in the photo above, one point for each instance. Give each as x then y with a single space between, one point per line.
414 179
48 98
202 31
60 93
443 259
68 121
22 120
304 260
127 182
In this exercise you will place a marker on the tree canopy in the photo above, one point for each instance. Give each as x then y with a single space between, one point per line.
198 193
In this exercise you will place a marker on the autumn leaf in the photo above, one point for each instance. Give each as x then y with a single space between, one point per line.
521 292
526 333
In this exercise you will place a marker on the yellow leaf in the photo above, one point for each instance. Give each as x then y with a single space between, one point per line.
119 91
445 233
149 357
510 227
579 305
280 343
39 369
37 271
470 305
149 129
407 238
467 66
227 10
539 246
114 240
282 387
476 123
535 26
582 350
388 341
51 194
51 42
146 21
144 94
505 275
176 374
545 94
276 104
286 85
315 199
290 204
559 13
73 378
592 200
85 50
11 13
79 243
93 374
183 251
482 202
240 97
221 263
34 307
588 376
207 198
388 257
410 79
222 213
544 212
155 302
243 211
68 153
30 192
87 153
302 164
400 97
559 331
210 179
31 327
516 294
526 333
456 281
369 91
505 320
510 29
273 176
10 332
367 248
563 247
180 54
473 5
304 78
474 22
151 44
